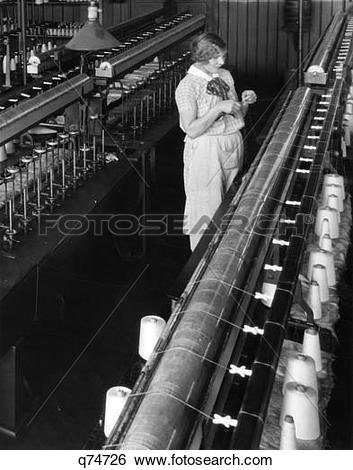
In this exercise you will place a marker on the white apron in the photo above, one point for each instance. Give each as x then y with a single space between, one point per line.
211 163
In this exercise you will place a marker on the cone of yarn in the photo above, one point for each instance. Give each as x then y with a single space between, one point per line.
288 440
325 242
334 178
320 276
331 215
311 347
151 328
300 369
300 402
313 299
3 153
333 203
325 258
269 290
335 190
114 403
10 147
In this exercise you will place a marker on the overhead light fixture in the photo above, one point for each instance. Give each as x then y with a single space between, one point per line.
92 36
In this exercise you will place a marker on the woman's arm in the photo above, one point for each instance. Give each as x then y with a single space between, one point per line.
194 127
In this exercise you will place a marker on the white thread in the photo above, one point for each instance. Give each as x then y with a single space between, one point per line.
261 296
242 371
277 241
293 203
226 421
254 330
287 221
272 267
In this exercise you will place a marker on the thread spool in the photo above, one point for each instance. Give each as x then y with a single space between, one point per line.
269 290
331 227
334 178
333 189
3 154
347 130
320 276
301 403
349 107
114 403
311 347
314 300
10 147
288 440
333 202
300 369
325 258
151 328
325 242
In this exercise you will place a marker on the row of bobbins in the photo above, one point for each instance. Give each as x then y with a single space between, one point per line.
300 416
321 267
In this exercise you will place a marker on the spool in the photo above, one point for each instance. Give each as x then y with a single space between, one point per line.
301 403
10 147
320 276
301 369
336 190
151 328
114 403
331 215
311 347
346 128
325 242
269 290
333 202
325 258
314 300
3 154
334 178
288 439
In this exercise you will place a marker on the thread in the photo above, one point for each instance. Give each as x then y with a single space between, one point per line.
114 403
331 226
151 327
300 369
320 276
325 258
288 438
314 300
311 347
300 402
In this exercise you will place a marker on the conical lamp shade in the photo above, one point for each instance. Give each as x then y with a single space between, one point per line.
92 37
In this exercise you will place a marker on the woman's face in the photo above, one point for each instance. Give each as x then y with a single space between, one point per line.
215 63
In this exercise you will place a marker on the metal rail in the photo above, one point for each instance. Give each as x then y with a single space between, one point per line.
317 72
14 121
151 47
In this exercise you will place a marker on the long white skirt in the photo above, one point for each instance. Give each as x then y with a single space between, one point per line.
210 166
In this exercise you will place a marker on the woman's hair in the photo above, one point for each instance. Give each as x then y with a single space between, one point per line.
207 46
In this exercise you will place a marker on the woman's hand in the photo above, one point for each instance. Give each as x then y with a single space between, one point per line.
248 97
228 106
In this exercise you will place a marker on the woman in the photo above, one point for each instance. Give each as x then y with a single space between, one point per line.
212 117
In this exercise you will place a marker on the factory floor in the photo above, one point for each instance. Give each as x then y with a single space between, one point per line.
89 300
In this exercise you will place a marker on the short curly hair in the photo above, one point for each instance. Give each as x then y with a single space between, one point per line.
207 46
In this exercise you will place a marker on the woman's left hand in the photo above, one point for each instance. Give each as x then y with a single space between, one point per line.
248 97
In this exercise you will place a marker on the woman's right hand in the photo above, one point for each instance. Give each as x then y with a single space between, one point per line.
228 106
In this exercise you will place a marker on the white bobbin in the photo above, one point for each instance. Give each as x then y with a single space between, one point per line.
320 276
